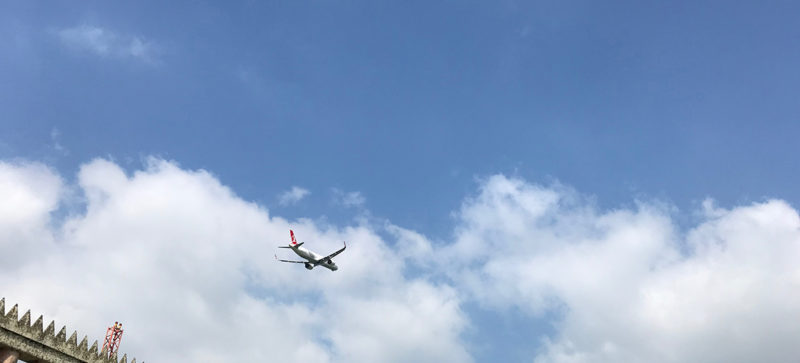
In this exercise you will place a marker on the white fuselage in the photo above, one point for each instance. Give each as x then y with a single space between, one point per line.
314 259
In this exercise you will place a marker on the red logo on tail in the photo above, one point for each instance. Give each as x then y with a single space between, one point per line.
294 240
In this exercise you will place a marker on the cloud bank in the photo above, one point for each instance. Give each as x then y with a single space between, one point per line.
627 285
187 266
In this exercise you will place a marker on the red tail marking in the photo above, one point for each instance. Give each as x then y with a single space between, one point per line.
294 240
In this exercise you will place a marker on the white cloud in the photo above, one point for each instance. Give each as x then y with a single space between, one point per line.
293 195
349 199
29 192
620 282
167 250
411 245
410 318
106 43
187 267
55 137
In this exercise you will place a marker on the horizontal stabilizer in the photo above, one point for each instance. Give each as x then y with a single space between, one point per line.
295 246
276 257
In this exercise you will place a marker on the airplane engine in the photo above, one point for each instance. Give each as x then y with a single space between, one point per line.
309 266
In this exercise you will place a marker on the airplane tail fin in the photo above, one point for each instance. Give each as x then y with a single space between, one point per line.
294 240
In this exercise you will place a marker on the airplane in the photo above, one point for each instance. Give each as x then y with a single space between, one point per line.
314 259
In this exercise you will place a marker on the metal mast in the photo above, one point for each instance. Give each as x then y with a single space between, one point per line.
113 338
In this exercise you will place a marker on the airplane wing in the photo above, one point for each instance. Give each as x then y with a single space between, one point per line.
276 257
332 255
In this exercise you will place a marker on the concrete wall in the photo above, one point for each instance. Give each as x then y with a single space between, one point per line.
19 339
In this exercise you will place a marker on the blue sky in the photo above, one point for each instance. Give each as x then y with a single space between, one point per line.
415 104
408 102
